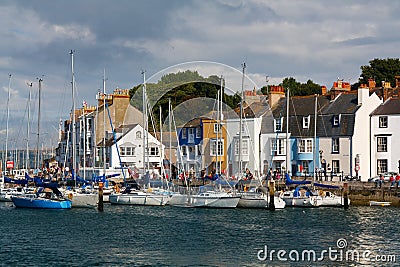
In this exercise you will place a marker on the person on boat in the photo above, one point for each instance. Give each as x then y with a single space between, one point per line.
392 180
397 180
381 179
278 175
248 175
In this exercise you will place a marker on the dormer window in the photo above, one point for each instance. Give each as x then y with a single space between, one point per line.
336 120
278 125
383 122
183 133
306 122
217 128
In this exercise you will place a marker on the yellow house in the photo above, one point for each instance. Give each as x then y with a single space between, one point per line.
214 146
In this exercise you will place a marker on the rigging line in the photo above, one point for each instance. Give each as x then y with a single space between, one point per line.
179 150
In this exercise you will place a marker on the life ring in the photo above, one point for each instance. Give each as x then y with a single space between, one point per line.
70 196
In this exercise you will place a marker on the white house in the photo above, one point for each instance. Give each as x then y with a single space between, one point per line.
385 128
130 146
361 145
251 134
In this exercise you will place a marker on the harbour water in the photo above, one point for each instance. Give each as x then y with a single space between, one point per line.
168 236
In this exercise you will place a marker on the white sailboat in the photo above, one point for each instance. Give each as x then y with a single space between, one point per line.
257 197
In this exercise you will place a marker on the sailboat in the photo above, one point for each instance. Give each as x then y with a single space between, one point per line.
79 199
42 199
136 196
48 197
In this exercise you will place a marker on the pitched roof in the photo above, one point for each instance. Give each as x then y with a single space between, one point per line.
389 107
344 105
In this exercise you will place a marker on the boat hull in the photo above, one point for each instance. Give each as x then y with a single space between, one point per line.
311 201
259 202
83 200
142 200
198 201
40 203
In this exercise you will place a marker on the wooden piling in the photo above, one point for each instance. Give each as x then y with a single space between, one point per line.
100 204
271 186
346 195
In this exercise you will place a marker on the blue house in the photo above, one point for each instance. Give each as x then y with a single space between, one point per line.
189 152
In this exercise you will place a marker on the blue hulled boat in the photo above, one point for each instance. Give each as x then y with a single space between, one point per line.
42 200
40 203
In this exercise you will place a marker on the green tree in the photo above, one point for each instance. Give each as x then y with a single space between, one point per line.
301 89
380 70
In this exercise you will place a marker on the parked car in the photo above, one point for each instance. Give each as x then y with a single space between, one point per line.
386 177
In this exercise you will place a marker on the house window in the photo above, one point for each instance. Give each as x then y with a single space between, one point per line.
138 135
306 122
153 151
304 164
278 125
305 146
382 144
335 166
191 135
214 147
198 132
184 150
278 147
127 151
236 147
383 122
217 128
381 166
245 147
336 120
183 133
335 145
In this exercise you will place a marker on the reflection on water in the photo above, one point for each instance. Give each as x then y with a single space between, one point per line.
168 236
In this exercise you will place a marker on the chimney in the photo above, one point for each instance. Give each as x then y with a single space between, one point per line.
363 95
323 90
371 83
397 78
276 92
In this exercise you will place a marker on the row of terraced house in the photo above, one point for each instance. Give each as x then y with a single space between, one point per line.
341 132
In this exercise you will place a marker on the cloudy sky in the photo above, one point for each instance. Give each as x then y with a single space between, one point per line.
317 40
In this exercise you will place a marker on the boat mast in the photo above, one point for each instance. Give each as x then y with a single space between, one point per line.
315 141
144 121
217 166
27 163
38 124
73 119
8 118
170 138
220 126
240 121
104 125
84 143
287 131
